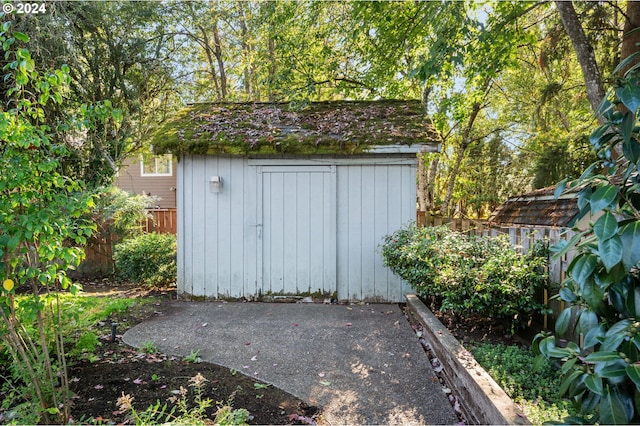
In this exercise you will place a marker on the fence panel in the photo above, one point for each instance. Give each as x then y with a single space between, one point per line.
164 221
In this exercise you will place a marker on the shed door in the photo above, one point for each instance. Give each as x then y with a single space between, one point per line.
298 229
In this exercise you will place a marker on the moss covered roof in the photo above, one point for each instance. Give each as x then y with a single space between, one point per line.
337 127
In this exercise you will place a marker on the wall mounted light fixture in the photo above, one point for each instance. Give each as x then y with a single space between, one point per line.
215 183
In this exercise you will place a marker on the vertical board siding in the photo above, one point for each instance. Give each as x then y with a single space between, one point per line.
373 200
298 253
290 229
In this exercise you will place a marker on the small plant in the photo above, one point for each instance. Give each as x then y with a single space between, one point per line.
193 357
149 347
149 259
261 385
183 412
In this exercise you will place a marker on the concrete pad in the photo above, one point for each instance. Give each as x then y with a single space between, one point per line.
362 364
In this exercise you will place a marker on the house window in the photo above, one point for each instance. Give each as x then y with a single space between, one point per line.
156 165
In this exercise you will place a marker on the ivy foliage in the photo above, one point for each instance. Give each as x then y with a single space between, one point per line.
602 287
468 274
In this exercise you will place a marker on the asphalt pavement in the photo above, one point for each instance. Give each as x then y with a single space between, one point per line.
361 364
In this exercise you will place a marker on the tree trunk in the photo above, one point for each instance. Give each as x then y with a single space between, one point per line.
584 52
631 35
218 55
462 148
423 177
272 68
206 46
246 52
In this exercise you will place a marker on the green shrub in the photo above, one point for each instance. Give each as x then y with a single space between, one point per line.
602 287
149 259
468 274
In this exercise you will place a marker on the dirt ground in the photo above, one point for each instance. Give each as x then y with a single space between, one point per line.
151 377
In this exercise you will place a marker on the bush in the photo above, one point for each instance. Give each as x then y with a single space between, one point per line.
149 259
468 274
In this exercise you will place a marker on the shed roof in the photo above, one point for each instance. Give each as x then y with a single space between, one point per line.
334 127
537 208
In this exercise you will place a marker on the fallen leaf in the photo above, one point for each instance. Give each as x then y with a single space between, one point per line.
138 381
254 358
325 383
205 324
321 374
348 324
98 387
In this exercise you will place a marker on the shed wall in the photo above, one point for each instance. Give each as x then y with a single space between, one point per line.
221 251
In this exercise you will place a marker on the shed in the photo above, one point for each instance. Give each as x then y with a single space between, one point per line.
540 208
279 201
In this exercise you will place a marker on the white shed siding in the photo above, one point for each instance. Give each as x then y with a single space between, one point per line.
291 225
373 201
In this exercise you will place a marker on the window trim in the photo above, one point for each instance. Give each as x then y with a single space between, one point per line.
156 174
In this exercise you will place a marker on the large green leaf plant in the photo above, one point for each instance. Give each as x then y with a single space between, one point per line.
602 288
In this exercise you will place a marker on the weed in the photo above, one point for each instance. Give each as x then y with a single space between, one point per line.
149 347
193 357
261 385
184 412
233 371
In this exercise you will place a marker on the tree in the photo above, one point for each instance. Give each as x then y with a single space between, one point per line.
40 225
121 81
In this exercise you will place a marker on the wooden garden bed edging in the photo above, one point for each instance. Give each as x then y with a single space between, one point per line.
481 399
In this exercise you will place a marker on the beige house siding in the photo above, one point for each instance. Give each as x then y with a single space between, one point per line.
130 179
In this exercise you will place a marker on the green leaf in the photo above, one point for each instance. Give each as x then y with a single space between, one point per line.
560 187
562 247
602 356
568 295
598 133
629 95
594 383
582 267
567 366
627 125
614 409
584 197
603 198
633 371
606 226
21 36
631 150
630 236
624 63
562 323
610 251
568 381
594 336
588 320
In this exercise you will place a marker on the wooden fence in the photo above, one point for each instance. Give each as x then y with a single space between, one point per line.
164 221
522 238
99 251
